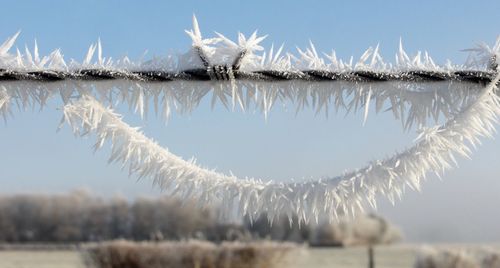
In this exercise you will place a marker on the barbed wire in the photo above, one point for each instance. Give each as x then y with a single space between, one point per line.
218 72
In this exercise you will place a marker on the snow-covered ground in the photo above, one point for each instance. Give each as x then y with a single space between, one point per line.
389 257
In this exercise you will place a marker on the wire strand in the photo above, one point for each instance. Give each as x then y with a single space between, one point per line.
223 73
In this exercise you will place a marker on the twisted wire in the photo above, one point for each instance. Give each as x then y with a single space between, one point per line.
225 73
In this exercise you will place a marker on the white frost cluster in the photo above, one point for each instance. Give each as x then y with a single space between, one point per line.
415 105
222 50
470 111
434 151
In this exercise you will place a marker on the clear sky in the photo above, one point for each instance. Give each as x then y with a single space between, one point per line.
462 207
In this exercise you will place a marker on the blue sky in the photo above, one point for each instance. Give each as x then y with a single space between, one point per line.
35 158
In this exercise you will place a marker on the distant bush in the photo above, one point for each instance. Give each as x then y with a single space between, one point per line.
490 259
368 230
453 258
281 229
186 254
363 230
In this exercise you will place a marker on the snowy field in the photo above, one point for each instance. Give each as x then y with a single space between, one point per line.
399 256
40 259
388 257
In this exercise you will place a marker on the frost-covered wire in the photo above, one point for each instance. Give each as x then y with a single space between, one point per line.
414 89
434 151
221 59
242 74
